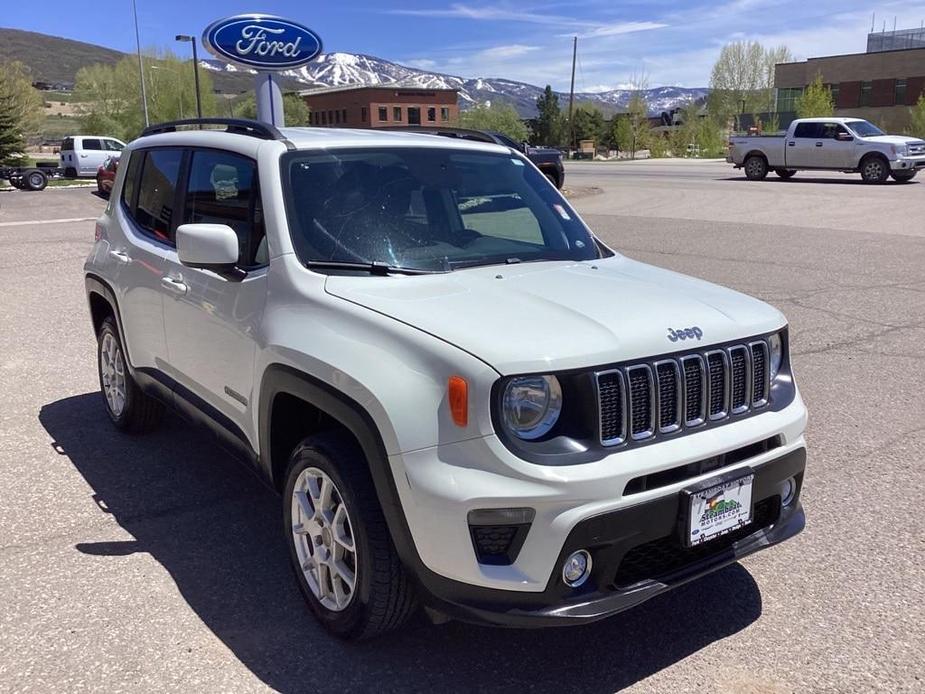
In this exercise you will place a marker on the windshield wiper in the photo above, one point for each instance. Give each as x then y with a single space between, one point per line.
373 268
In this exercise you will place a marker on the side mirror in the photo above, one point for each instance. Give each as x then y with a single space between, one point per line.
844 137
207 246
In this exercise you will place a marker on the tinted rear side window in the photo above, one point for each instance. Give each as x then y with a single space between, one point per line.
91 143
68 145
131 180
808 130
157 192
222 189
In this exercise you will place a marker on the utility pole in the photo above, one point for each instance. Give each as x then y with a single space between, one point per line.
571 95
192 40
141 71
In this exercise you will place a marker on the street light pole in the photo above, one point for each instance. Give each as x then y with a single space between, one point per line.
141 72
192 40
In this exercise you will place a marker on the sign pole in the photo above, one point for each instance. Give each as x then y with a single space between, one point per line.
269 99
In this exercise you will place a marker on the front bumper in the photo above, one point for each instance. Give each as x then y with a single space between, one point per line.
905 163
637 555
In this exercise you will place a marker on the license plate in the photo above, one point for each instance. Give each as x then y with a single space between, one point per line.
719 509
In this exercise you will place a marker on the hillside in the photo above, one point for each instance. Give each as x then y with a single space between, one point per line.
56 59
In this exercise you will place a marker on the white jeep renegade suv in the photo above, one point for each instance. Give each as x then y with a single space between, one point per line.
466 400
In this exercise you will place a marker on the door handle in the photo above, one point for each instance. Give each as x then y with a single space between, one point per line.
83 156
120 257
818 144
174 285
791 144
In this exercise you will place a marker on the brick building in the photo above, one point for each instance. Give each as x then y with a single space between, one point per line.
381 106
879 85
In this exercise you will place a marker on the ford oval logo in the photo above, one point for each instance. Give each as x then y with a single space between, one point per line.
261 41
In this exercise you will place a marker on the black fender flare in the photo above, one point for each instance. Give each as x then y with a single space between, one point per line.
281 379
97 285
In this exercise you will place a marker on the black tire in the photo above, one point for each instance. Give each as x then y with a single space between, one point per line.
99 186
70 172
140 413
903 176
756 168
553 178
874 169
384 597
785 173
34 179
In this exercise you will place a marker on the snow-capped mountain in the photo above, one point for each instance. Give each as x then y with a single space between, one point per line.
346 69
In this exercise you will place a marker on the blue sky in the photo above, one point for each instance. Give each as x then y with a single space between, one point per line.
672 43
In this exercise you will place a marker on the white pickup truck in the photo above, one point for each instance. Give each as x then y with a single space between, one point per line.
850 145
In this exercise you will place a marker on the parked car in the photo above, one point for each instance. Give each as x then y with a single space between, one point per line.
106 174
82 155
850 145
546 159
465 398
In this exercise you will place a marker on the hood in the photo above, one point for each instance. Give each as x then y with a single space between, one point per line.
545 316
893 139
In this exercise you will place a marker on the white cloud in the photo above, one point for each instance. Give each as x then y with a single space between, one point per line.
507 51
461 11
619 28
421 63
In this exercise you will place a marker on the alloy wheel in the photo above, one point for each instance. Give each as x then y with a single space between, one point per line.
324 539
873 170
112 372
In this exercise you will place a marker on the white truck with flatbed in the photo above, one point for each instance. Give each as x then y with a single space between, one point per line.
850 145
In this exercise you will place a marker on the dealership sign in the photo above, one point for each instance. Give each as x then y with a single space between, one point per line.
262 42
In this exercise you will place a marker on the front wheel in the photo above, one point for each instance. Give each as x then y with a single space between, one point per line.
785 173
341 550
756 168
128 407
903 176
875 169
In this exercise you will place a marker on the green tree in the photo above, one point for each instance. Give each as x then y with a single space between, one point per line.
111 95
742 79
497 116
698 135
917 118
637 114
20 110
549 124
816 100
589 123
295 111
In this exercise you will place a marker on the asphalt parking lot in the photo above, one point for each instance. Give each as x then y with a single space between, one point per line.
156 563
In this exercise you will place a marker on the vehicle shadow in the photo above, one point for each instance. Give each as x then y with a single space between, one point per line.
216 529
846 181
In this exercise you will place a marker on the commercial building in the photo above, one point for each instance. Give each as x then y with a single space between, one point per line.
381 106
879 85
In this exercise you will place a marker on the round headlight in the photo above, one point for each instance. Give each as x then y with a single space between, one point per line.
530 405
777 354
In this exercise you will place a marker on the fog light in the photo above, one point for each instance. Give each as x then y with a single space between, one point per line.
577 568
788 492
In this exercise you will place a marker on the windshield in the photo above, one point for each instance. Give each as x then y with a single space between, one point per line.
428 209
863 128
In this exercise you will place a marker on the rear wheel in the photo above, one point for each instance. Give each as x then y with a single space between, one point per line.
341 550
756 168
553 178
70 172
128 407
903 176
874 169
34 179
785 173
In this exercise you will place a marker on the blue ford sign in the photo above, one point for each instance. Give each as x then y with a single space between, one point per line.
261 41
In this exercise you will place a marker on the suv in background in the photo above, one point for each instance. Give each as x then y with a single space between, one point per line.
465 399
82 155
546 159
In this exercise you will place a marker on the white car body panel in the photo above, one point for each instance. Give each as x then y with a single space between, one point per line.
86 161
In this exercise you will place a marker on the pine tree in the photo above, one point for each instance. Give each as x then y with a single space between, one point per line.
549 122
12 144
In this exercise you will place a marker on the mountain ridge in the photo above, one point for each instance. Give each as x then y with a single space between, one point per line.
57 59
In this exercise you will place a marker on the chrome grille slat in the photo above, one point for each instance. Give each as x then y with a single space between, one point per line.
647 399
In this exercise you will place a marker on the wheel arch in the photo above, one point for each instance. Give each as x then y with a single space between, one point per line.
287 392
103 303
756 153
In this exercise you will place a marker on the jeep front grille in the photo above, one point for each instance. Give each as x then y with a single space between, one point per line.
644 400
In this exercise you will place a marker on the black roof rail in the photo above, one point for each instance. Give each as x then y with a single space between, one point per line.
239 126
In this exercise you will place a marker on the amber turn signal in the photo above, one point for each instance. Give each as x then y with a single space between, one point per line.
458 391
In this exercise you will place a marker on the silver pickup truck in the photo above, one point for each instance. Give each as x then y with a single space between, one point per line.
850 145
